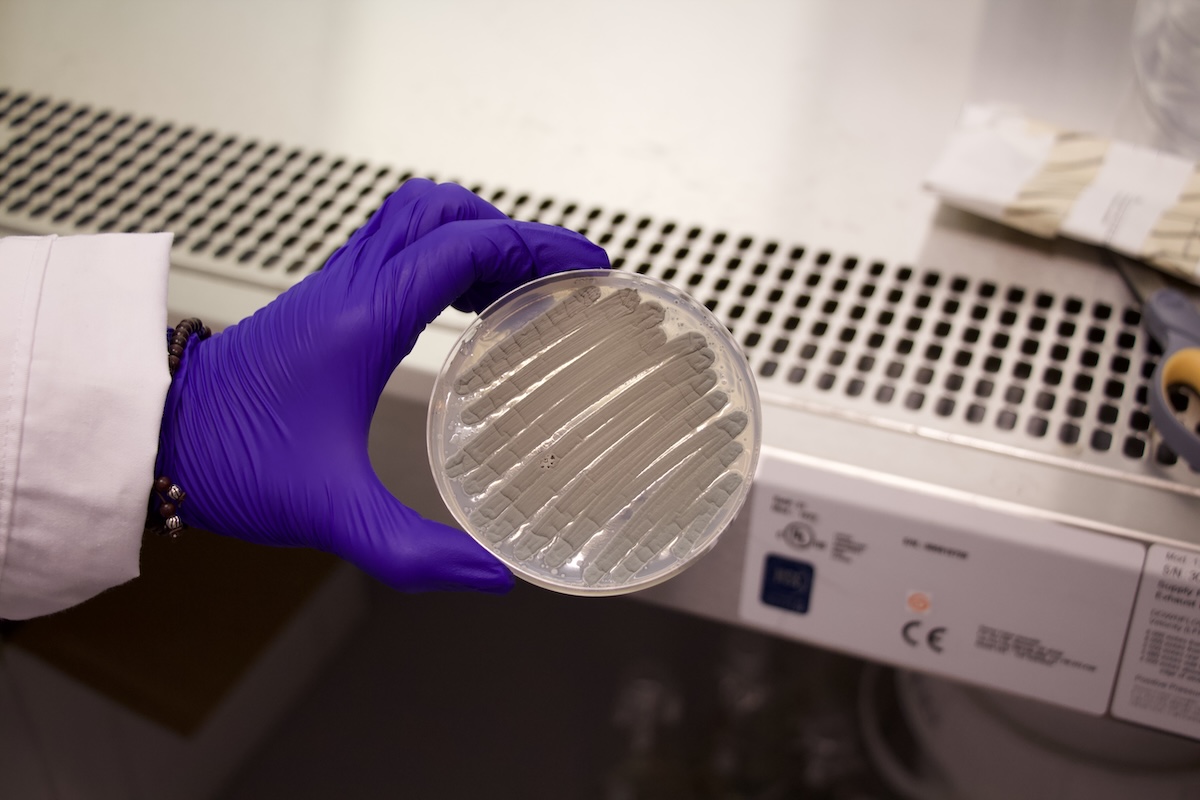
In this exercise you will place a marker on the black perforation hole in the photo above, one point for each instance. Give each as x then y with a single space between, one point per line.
1134 447
1165 455
1068 433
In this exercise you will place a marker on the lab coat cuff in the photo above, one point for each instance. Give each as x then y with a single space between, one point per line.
83 379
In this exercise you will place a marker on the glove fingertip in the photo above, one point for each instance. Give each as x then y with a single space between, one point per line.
453 561
558 249
414 554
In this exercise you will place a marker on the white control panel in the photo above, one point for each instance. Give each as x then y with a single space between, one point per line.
1160 673
922 578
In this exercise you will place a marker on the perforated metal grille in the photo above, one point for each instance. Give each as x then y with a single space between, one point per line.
240 207
943 349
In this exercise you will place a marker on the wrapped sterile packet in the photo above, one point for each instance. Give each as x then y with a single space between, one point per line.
1050 182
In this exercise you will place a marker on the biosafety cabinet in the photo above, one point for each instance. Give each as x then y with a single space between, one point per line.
960 478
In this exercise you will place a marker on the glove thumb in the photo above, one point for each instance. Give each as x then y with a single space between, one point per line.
408 552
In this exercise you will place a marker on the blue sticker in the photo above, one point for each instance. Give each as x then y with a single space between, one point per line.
787 584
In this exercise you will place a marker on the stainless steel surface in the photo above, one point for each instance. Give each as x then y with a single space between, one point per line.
790 119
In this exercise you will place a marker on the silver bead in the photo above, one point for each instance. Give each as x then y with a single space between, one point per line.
174 523
175 493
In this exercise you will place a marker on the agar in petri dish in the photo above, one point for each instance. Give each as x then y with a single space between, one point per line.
595 430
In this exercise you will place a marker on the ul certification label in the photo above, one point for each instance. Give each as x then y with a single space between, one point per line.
913 577
1159 684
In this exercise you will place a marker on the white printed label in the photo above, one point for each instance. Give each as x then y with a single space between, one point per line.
1159 683
1126 199
900 574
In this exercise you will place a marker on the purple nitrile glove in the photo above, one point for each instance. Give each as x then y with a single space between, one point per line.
266 423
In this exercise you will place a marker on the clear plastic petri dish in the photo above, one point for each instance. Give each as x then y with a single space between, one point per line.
596 430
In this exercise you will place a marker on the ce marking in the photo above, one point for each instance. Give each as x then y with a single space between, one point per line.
933 638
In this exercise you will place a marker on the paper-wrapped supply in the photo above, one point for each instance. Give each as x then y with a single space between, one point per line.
1053 182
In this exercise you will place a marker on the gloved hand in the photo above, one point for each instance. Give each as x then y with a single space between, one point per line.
266 422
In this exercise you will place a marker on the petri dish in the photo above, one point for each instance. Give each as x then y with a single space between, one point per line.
596 430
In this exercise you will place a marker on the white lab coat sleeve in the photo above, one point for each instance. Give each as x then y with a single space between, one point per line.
83 379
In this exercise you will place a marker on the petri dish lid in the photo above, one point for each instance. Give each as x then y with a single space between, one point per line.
596 430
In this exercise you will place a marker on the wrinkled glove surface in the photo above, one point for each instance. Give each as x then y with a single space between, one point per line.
266 422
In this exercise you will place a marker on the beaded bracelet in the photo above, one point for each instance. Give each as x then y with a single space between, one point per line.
162 514
180 335
165 520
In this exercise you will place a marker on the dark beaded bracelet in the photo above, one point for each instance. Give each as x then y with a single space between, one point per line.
162 514
179 336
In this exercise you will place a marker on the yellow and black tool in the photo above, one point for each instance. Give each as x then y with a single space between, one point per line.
1172 320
